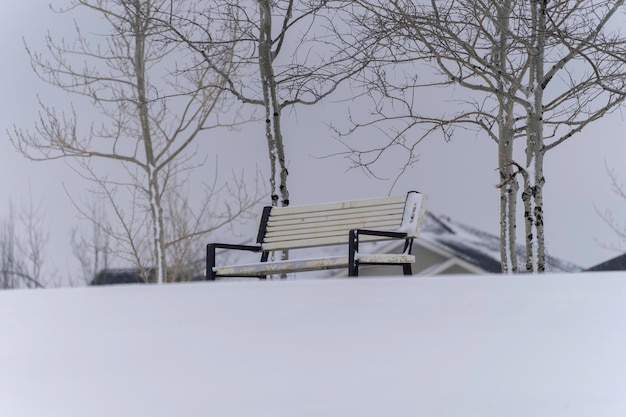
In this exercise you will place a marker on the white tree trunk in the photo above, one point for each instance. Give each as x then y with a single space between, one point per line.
154 188
506 122
533 193
273 132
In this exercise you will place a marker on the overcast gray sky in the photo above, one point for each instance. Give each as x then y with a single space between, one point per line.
459 177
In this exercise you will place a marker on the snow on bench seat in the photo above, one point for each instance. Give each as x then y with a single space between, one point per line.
314 264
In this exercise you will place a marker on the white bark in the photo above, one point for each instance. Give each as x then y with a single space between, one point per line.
272 41
508 183
273 131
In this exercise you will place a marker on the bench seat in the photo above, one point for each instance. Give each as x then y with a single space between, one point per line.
304 265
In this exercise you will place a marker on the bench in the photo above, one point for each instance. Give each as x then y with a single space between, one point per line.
341 223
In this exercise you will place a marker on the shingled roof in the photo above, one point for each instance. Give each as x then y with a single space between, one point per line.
615 264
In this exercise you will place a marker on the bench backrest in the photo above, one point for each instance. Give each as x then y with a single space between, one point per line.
329 224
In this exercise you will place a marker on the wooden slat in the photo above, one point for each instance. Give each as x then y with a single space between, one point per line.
320 216
278 267
386 258
345 224
308 228
338 236
277 215
320 241
331 228
315 208
342 222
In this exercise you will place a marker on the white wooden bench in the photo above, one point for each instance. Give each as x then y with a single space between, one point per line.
349 222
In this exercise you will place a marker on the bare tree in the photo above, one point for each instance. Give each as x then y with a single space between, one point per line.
288 56
534 72
154 104
616 223
23 240
92 250
33 242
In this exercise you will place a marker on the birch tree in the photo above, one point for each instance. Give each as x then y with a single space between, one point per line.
291 57
534 72
153 107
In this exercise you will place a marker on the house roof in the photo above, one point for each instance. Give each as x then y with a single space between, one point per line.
475 246
118 276
472 246
615 264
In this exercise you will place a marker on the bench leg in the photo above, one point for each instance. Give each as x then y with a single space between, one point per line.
264 257
408 247
353 270
353 249
210 262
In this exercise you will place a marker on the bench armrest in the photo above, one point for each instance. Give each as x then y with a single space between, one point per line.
252 248
210 255
382 233
353 245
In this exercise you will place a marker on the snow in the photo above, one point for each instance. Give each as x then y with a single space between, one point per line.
442 346
413 217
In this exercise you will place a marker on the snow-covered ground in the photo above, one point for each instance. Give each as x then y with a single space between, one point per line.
444 346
